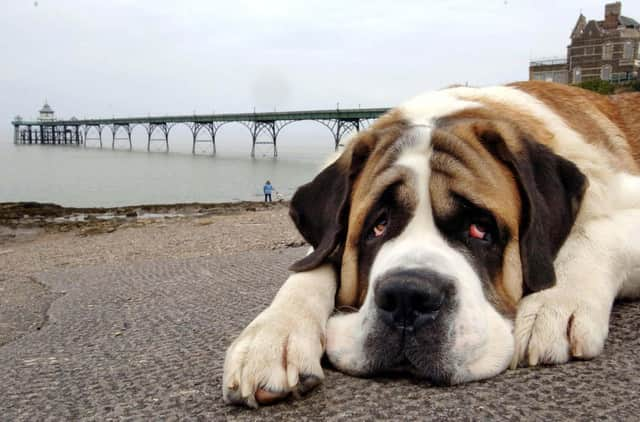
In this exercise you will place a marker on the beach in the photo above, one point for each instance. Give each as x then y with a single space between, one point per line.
36 238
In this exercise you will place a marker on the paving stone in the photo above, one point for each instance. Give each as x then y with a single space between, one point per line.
147 341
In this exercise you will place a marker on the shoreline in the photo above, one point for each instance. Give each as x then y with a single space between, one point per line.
26 220
15 212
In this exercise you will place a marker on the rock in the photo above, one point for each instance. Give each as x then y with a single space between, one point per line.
205 222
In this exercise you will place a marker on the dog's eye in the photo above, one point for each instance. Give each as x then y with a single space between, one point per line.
380 226
480 232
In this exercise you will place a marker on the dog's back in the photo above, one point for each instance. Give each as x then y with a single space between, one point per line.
628 108
611 123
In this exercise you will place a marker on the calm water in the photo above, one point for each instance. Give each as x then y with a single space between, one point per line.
76 176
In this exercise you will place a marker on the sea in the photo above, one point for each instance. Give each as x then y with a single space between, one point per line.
77 176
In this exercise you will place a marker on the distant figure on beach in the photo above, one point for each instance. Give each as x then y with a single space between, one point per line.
267 189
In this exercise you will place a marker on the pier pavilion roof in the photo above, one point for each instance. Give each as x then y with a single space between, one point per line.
46 108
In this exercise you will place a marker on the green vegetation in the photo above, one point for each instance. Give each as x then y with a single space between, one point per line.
602 87
606 87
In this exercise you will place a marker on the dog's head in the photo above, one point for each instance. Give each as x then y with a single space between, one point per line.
439 219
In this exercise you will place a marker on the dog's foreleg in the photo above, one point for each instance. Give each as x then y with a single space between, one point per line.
279 352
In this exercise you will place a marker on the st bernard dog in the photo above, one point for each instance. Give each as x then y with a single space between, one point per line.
466 231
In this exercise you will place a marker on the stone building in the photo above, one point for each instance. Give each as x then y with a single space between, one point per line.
608 50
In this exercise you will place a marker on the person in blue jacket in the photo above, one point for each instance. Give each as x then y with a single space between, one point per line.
267 189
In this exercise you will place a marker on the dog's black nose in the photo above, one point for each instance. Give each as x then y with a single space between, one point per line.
412 298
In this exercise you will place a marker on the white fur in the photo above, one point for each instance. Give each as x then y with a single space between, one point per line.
426 108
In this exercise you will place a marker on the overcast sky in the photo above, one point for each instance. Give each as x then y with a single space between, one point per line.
118 57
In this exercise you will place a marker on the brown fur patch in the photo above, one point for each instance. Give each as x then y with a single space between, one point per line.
605 122
377 140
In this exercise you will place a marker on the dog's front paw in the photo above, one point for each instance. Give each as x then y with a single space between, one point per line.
556 324
276 355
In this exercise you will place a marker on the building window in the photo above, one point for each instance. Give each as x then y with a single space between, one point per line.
577 75
607 51
605 72
627 53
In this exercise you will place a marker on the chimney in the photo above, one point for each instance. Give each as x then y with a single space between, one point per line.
612 12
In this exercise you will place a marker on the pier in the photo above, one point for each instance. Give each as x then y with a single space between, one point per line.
204 128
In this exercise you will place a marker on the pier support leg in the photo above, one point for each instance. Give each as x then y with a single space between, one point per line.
342 128
41 135
336 137
30 134
271 127
211 128
164 128
275 147
53 134
129 136
16 132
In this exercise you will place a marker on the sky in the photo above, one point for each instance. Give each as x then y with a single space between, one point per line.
138 57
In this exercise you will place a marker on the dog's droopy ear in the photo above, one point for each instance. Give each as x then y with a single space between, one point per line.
551 189
320 209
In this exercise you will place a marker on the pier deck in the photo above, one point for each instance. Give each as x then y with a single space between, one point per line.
264 128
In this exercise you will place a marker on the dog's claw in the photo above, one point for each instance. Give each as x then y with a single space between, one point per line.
268 397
